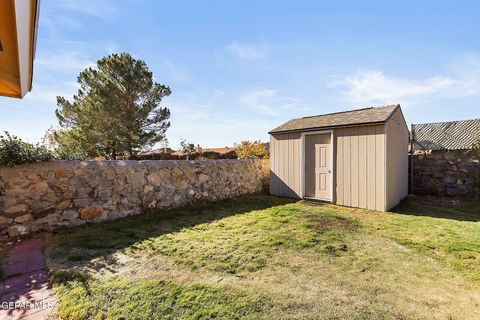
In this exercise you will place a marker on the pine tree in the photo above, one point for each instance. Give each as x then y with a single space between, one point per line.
116 109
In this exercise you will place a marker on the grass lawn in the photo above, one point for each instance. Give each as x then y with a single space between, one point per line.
262 257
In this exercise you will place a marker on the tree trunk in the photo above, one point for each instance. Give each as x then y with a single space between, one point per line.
114 151
130 151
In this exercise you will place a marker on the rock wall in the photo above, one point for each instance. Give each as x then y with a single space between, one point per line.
45 196
446 173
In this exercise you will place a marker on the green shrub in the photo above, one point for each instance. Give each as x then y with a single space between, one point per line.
66 152
14 151
209 155
231 155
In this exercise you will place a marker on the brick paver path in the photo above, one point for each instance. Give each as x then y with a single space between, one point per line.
26 282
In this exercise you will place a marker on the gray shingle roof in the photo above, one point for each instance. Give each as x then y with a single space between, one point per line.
454 135
338 119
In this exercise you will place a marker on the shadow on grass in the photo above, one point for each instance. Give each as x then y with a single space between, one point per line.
464 212
77 247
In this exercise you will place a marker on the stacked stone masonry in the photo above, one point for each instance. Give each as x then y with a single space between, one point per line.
46 196
446 173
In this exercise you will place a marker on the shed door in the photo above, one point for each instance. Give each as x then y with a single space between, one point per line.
318 166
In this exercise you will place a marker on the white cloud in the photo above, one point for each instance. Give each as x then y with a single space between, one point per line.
112 47
174 70
69 61
208 118
268 101
259 100
374 87
105 9
59 15
467 69
218 93
49 93
53 22
248 51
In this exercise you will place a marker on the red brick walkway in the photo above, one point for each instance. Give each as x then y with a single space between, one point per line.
26 284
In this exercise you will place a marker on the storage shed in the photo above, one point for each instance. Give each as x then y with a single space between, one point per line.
355 158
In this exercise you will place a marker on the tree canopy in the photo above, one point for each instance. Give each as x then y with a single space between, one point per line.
188 148
116 110
252 150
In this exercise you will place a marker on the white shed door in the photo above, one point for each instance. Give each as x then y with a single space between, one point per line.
318 172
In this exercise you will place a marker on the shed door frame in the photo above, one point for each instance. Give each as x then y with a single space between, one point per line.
302 161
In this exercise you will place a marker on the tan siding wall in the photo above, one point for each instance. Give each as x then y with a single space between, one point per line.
380 164
397 159
354 172
285 167
362 177
360 167
347 186
338 172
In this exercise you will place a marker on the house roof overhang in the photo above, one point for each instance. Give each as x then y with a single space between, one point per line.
18 36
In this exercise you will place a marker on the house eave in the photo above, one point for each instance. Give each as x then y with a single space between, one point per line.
18 34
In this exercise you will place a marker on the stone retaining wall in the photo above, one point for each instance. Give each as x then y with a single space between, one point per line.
45 196
446 173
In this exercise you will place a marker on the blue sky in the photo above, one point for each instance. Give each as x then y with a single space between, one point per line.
240 68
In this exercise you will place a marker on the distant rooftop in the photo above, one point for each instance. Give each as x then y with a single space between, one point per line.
158 151
224 150
453 135
339 119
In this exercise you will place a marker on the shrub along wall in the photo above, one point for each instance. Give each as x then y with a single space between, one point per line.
45 196
446 173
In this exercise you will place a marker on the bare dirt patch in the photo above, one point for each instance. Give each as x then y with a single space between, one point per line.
326 224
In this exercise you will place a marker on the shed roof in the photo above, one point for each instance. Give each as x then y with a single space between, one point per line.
339 119
453 135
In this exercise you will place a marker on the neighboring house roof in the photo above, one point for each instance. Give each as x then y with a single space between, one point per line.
18 37
453 135
339 119
157 151
163 150
218 150
177 153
